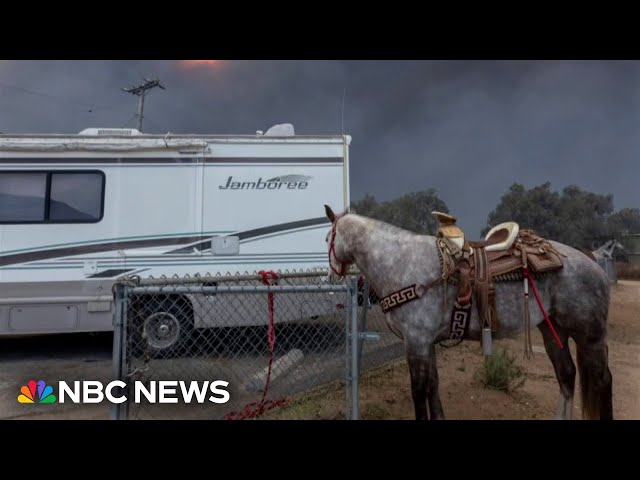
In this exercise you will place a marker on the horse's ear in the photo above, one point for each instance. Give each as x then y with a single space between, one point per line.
330 215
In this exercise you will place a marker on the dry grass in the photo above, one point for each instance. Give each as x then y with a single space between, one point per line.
628 271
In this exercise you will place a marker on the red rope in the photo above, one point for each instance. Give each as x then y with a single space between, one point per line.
256 409
527 274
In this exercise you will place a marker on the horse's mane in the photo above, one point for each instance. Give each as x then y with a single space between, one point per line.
384 226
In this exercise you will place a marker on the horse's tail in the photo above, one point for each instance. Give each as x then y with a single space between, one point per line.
595 380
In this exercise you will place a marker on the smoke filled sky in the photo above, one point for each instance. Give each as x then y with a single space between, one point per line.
469 129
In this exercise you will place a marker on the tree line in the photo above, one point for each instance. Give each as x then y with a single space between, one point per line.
572 216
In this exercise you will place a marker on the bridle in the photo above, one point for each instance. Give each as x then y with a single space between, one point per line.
332 251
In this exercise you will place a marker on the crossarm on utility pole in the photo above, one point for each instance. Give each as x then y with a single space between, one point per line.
140 91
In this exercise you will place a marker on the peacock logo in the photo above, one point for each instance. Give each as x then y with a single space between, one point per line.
44 393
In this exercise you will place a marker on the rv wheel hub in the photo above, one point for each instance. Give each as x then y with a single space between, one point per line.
162 330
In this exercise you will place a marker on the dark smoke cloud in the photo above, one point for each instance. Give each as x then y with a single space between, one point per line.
467 128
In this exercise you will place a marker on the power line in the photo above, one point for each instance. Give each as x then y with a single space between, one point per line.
53 97
130 118
156 125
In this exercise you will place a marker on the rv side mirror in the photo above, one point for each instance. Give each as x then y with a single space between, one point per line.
225 245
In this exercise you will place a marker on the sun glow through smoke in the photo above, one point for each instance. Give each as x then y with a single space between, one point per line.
200 63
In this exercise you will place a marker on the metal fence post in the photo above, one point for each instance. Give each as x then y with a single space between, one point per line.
355 340
347 356
363 321
118 411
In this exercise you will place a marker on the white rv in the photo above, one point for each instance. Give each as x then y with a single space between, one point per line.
79 211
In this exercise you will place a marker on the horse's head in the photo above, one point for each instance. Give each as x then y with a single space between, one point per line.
607 248
339 260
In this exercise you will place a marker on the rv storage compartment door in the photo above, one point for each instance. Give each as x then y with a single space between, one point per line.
225 245
34 318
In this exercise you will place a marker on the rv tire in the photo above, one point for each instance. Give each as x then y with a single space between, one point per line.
163 326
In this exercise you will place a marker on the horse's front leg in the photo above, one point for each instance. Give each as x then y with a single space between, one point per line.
424 383
433 392
419 372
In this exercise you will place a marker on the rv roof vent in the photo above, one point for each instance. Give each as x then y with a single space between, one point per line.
110 132
281 130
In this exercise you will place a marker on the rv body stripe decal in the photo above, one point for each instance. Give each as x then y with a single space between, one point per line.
111 273
94 248
205 245
187 159
117 261
338 160
151 242
168 264
193 260
120 239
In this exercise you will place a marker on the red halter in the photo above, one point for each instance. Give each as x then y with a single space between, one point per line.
332 250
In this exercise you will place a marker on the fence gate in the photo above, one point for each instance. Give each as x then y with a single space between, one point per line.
273 338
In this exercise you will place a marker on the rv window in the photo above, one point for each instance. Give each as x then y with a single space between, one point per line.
51 197
22 197
75 197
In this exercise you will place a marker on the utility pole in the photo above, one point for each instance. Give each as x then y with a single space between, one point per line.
140 91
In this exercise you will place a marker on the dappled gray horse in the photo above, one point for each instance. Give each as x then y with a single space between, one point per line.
576 299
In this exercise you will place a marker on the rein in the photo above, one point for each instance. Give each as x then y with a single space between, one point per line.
332 250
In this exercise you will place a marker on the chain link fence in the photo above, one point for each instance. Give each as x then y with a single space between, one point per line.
270 336
378 345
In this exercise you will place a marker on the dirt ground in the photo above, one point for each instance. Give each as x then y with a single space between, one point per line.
386 394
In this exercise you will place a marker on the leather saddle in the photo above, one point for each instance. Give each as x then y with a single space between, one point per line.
475 266
499 238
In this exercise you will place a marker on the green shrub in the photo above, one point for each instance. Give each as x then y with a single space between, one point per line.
500 372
